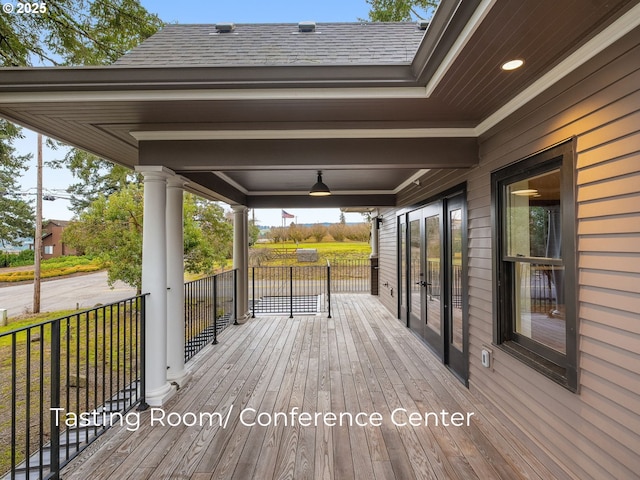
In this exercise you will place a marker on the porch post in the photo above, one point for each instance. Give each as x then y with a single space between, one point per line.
374 261
241 257
374 237
175 280
154 283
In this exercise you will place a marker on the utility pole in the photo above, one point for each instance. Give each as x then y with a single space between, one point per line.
37 241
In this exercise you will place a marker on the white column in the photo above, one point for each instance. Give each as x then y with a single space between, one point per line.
175 280
154 283
241 256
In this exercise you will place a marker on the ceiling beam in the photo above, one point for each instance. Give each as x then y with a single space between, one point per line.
222 190
312 154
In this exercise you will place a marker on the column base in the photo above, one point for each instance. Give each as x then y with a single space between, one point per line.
159 397
179 378
243 318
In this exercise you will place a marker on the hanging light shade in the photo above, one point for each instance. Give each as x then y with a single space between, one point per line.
319 189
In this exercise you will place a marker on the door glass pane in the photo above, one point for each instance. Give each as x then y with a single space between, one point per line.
455 230
539 303
432 229
414 256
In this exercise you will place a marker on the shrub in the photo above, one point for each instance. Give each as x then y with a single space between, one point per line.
25 257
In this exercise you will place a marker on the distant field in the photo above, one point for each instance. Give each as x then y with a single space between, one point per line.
269 254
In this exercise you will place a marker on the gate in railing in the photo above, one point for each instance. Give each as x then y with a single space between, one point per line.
305 289
70 379
290 290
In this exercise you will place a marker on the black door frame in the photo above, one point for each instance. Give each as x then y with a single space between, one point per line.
452 199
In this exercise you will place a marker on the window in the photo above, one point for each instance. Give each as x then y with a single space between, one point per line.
535 277
48 249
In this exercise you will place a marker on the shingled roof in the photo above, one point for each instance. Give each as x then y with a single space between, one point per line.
278 44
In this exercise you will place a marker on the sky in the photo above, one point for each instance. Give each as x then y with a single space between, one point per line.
213 11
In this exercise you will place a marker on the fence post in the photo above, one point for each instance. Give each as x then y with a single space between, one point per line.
235 297
329 288
55 400
290 292
215 310
253 292
143 349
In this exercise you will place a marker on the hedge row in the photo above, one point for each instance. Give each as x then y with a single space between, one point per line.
48 273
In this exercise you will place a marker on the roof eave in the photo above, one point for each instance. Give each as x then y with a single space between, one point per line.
190 77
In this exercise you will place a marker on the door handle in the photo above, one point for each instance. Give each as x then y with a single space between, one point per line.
422 283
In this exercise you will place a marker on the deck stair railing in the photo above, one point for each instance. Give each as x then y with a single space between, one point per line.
210 307
65 382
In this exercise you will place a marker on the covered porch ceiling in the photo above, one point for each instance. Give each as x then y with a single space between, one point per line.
255 133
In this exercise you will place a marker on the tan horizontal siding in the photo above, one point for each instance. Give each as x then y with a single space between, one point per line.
595 433
388 261
601 421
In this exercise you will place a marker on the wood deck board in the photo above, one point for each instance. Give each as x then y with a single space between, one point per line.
362 360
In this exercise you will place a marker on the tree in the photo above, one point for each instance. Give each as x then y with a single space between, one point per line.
16 214
298 233
78 32
401 10
97 177
278 234
360 232
254 232
75 32
111 230
208 235
318 231
337 231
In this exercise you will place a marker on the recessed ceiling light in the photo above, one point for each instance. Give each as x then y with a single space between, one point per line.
512 64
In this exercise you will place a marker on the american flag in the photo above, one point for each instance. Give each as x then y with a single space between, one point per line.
287 215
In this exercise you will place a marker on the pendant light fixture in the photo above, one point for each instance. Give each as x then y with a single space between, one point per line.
320 189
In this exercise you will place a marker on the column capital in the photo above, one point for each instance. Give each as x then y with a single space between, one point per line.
239 208
176 181
154 172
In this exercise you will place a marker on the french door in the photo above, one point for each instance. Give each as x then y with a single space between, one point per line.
433 256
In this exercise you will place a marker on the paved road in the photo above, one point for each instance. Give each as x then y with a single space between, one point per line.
64 293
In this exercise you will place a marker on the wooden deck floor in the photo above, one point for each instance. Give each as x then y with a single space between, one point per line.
361 360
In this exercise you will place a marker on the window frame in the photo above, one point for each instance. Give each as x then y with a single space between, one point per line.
562 368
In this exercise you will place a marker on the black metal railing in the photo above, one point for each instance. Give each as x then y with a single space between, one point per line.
351 276
290 289
65 381
541 288
210 306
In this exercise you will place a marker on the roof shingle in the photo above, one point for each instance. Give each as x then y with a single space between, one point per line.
278 44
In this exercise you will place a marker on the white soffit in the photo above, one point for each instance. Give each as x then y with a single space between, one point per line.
305 134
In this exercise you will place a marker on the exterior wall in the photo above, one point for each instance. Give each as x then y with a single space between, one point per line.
594 433
54 239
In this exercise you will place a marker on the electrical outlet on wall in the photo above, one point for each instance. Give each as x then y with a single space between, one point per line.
486 357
